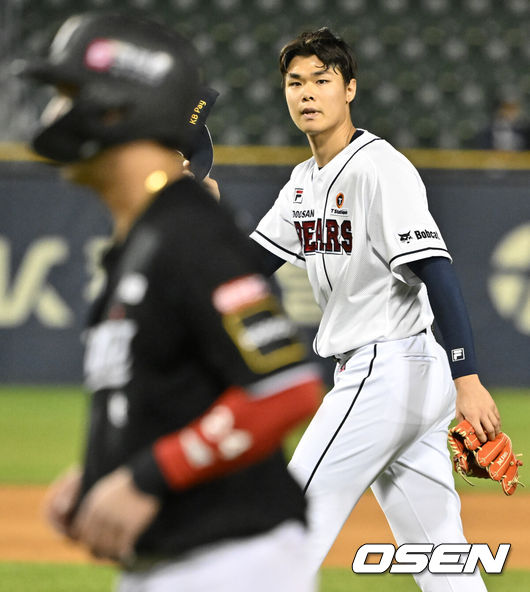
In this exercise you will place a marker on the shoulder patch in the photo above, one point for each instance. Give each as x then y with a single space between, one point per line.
265 337
239 293
257 325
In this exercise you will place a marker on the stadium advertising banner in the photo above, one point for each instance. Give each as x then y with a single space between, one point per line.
52 234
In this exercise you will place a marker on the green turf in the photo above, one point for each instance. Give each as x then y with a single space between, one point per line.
41 432
53 577
41 577
343 580
42 429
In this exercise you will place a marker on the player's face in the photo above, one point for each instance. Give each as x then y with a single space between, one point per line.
317 97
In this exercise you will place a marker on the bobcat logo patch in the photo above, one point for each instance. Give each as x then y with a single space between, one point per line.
405 238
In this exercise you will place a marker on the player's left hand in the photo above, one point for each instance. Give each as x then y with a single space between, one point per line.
494 459
113 515
476 405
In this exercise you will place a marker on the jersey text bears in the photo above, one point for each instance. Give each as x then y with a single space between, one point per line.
328 236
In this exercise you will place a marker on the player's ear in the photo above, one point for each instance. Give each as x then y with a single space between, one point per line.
351 90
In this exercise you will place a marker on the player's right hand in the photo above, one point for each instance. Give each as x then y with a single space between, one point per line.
475 404
60 500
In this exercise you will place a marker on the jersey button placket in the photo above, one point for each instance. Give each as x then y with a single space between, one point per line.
323 206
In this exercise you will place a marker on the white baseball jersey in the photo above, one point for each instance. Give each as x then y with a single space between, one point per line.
354 224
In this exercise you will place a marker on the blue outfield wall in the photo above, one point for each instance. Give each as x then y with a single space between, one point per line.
51 233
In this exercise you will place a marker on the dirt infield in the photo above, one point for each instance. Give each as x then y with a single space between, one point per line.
488 518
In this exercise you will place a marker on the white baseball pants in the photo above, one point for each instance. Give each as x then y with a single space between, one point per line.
384 425
274 561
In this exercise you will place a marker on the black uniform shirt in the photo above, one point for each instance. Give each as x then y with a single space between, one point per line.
159 354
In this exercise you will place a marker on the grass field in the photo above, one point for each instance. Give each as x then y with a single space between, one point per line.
41 432
34 577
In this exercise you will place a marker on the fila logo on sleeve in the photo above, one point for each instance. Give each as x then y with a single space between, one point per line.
458 354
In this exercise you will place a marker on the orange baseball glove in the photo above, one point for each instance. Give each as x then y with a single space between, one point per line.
492 460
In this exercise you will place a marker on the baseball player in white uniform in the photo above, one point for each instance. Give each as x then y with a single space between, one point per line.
356 217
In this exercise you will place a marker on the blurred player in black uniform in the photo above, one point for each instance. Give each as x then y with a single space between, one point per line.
195 372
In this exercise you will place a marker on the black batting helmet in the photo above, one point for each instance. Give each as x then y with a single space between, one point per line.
124 78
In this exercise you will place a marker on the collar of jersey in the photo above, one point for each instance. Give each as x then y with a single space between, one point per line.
354 144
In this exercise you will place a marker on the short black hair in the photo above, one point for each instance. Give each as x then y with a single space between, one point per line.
330 49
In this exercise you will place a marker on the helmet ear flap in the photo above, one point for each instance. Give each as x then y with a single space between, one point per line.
58 106
75 128
60 140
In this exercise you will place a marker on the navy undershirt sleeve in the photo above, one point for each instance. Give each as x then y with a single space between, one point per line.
450 312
